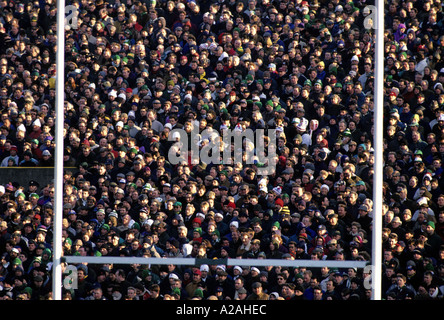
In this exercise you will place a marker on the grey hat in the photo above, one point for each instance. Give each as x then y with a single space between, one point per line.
287 171
274 294
113 214
242 290
38 278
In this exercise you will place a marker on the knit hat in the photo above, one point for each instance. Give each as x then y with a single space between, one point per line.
84 268
198 293
285 210
145 273
232 205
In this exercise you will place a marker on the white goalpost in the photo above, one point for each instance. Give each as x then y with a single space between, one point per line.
376 262
58 164
378 153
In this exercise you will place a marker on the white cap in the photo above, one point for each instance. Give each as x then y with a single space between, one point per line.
238 269
278 190
205 268
422 200
221 266
255 269
200 215
173 276
262 181
222 56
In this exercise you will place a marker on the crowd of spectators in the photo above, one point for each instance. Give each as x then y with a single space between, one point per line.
136 70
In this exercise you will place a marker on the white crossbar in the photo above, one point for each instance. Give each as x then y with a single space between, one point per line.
230 262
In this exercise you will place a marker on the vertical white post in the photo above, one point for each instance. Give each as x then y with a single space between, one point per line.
58 165
379 149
